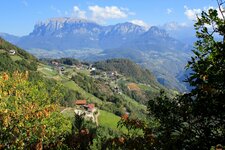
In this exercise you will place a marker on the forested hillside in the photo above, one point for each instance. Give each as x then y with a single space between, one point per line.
127 68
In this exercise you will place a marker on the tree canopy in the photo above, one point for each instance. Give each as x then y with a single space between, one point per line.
29 116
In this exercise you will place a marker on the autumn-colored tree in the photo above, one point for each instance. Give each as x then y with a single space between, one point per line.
29 116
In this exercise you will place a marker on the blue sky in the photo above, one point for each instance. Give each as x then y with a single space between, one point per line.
18 17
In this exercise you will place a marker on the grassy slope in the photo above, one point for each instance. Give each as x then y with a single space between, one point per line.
72 85
110 120
148 88
134 103
15 57
2 51
47 71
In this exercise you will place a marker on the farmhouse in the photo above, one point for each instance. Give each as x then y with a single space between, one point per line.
93 69
80 102
12 52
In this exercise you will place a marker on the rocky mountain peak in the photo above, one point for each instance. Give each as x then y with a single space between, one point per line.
157 32
63 26
62 20
128 27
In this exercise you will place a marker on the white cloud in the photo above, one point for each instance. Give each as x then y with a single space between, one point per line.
140 23
109 12
78 13
192 13
169 11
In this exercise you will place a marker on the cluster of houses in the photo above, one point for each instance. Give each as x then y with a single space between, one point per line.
83 104
108 76
113 75
79 66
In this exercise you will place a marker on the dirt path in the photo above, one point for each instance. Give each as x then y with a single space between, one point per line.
65 109
96 118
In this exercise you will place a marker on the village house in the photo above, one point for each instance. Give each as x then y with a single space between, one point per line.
85 105
55 63
80 102
79 66
12 52
93 68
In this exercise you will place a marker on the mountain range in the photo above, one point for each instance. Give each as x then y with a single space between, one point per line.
153 49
